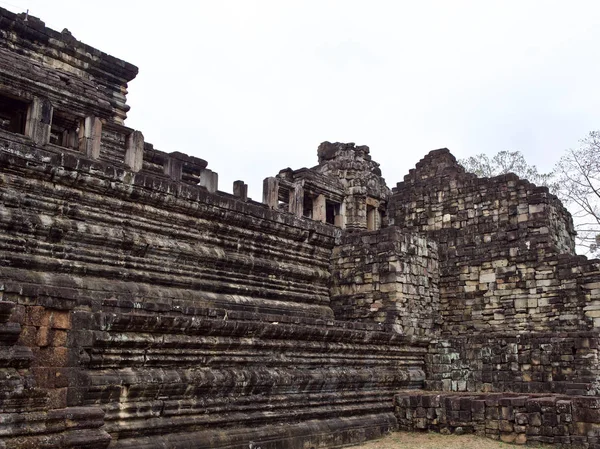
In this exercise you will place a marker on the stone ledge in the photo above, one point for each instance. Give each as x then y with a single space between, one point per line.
66 428
330 433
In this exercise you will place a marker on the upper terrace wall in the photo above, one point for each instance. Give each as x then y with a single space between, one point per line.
72 75
91 221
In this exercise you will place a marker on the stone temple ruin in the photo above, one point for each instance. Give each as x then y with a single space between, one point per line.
141 307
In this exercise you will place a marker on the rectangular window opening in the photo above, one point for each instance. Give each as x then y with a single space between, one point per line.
331 211
307 208
13 114
65 130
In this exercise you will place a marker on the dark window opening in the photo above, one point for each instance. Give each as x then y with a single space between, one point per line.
307 208
13 114
331 211
65 130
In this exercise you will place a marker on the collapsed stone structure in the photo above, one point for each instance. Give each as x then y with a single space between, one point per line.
346 189
143 307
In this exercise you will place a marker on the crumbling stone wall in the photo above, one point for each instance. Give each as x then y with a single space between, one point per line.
505 250
565 362
386 276
498 292
510 285
345 189
360 177
462 210
572 421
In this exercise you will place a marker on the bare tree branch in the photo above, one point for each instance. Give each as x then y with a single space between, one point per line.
578 174
507 162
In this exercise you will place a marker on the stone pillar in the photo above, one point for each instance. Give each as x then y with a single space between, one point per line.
134 152
340 218
355 212
39 121
90 135
296 202
320 209
240 190
271 192
173 168
209 179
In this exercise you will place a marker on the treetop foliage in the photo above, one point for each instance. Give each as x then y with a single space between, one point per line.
506 162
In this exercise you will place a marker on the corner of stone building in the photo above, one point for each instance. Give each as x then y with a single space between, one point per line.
390 277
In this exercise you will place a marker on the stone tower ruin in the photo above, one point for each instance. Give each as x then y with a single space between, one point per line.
142 307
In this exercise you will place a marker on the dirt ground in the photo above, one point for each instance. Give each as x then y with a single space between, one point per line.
406 440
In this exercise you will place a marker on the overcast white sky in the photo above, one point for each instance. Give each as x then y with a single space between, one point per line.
255 86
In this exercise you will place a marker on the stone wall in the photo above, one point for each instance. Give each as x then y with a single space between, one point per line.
462 210
30 416
386 276
155 238
501 243
572 421
565 362
142 307
192 373
170 314
494 291
516 305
